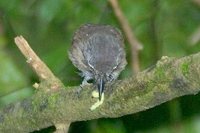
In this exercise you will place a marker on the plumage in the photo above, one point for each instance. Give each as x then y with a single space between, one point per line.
98 52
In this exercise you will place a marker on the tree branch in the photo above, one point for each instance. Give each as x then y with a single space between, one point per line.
62 128
37 65
197 2
133 41
43 72
195 37
169 78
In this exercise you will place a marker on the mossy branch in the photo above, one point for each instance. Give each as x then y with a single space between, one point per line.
38 66
43 72
168 79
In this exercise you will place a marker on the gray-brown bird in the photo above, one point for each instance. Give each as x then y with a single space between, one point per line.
98 52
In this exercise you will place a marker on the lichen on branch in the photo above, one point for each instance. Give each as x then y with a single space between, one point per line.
168 79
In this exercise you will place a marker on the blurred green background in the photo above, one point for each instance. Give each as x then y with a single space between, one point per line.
164 27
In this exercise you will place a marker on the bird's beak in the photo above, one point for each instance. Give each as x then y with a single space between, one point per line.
101 85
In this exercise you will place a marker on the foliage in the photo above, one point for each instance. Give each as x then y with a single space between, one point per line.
164 27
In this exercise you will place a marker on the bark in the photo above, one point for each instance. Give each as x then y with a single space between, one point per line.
168 79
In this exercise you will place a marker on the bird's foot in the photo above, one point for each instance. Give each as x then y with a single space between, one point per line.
82 85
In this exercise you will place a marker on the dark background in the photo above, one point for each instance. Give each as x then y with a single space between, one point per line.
164 27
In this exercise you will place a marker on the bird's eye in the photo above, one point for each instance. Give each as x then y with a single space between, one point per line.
90 81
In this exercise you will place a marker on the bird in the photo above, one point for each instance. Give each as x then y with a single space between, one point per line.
98 52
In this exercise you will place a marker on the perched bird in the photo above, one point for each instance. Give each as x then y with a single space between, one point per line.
98 52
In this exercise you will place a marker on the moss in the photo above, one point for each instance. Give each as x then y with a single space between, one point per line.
26 105
52 99
44 102
35 104
179 85
37 100
185 68
1 118
160 73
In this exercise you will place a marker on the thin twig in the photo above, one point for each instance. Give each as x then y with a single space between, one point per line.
197 2
43 72
135 44
195 37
